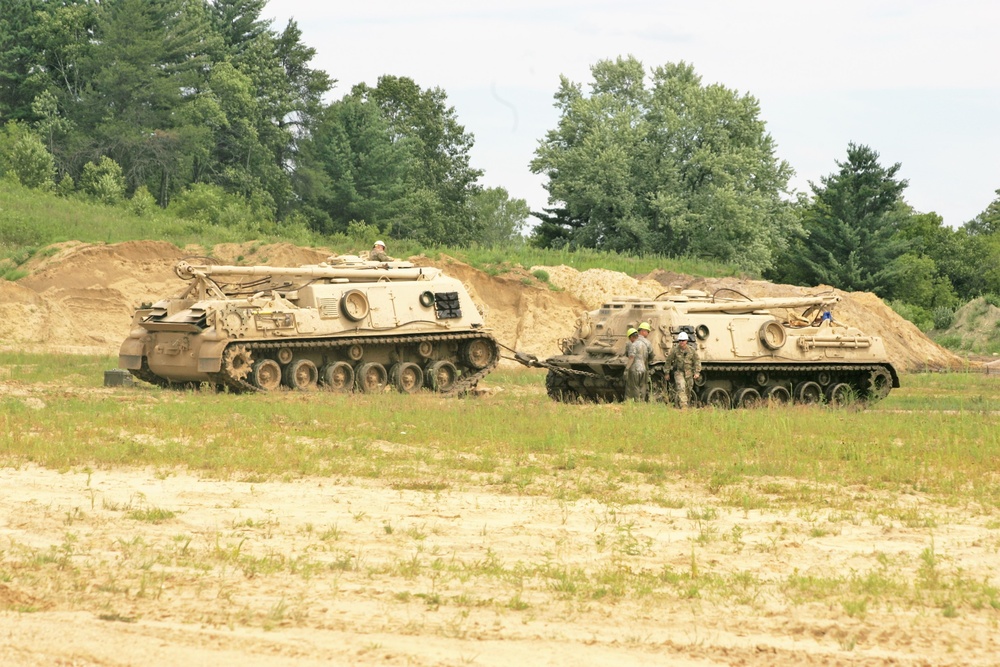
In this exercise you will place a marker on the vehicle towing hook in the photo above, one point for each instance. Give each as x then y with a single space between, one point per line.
529 360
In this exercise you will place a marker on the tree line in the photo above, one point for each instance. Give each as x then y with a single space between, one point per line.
662 163
204 108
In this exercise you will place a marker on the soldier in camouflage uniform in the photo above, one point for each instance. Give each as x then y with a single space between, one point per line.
644 330
635 367
378 253
685 365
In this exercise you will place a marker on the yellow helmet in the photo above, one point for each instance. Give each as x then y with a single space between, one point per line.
631 332
645 325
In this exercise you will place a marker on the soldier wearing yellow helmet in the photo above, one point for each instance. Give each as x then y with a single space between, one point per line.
635 367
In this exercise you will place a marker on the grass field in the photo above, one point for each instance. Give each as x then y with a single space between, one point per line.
938 434
779 536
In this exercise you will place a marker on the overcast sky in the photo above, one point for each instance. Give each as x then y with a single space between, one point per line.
916 80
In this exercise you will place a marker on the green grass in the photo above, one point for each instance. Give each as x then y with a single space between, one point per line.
936 435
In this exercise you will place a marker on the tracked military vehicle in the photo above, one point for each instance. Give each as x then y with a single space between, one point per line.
748 354
341 325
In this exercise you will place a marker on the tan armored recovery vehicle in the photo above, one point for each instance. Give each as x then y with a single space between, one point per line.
748 354
340 325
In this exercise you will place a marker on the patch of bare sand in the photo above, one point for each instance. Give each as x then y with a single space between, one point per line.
332 571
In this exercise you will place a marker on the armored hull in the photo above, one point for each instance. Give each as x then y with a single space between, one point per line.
748 354
344 325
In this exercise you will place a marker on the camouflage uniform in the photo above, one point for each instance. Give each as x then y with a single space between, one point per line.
649 360
635 374
684 363
379 256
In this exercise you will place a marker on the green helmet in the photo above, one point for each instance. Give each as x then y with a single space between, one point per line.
645 325
631 332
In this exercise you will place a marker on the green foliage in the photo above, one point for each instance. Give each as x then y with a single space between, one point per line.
103 180
674 169
943 317
396 157
175 91
142 203
32 163
851 223
213 205
66 186
496 219
921 317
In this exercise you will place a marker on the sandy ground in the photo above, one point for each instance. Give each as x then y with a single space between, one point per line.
153 567
322 571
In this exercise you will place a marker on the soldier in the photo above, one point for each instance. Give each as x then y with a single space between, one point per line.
644 330
635 367
378 253
683 362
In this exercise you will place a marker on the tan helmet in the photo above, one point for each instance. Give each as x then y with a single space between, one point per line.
631 332
377 243
645 325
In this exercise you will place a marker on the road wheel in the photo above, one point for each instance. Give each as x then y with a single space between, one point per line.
778 394
266 375
808 392
371 377
301 375
840 393
479 353
338 376
407 377
441 376
747 397
717 397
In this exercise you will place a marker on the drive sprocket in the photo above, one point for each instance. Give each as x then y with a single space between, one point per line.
237 361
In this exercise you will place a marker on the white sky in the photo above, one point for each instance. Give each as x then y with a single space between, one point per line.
918 81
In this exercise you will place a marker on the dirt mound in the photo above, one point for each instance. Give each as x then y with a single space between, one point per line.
595 286
80 297
977 326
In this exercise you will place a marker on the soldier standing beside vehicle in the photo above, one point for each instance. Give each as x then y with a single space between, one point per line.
644 330
635 367
685 365
378 253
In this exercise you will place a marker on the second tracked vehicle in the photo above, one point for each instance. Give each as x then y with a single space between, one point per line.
342 325
748 355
